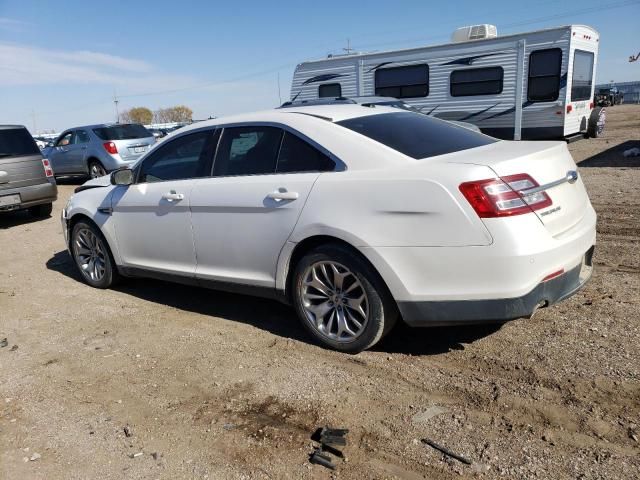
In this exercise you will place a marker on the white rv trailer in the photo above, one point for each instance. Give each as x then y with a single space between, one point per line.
533 85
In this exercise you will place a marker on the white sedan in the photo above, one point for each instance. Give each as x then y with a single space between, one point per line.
358 216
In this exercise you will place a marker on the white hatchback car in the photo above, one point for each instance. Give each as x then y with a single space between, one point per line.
357 215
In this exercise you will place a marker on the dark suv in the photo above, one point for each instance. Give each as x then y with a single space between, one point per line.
26 178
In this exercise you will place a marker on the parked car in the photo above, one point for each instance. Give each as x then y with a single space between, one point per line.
372 101
26 178
356 216
95 150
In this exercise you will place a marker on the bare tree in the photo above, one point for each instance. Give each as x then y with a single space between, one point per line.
178 113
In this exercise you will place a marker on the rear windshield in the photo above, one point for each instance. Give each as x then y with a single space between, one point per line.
415 134
17 141
122 132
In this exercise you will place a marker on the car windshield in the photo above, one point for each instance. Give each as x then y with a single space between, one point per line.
122 132
416 135
16 142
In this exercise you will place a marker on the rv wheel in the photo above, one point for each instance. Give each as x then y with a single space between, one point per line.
595 127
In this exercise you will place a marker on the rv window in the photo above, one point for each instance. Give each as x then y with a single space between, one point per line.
582 76
331 90
403 82
544 75
476 81
416 135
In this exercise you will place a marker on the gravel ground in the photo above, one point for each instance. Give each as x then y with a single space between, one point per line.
155 380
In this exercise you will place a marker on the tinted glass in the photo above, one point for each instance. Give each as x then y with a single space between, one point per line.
332 90
544 75
416 135
122 132
582 76
403 82
185 157
296 155
81 136
476 81
247 151
16 142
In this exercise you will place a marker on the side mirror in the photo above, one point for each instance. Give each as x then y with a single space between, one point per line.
123 176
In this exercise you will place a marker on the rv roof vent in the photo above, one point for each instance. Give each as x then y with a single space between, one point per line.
474 32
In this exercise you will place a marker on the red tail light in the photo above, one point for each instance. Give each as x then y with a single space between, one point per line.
569 108
48 171
110 147
591 105
503 197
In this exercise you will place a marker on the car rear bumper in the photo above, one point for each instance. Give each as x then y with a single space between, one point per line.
461 312
32 195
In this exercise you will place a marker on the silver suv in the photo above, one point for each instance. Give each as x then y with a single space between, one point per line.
96 150
26 179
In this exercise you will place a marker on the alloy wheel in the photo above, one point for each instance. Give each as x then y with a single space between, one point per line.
90 254
334 301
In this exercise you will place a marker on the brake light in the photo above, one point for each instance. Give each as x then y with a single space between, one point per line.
569 108
48 171
110 147
503 197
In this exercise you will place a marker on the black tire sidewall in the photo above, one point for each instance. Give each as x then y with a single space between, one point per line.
99 164
592 129
382 308
110 275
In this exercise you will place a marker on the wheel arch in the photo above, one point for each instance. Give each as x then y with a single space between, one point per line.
81 216
310 243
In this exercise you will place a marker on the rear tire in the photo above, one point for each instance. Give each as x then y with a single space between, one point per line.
92 256
341 300
597 119
96 169
41 211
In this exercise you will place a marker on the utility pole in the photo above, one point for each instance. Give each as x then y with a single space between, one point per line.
115 102
348 49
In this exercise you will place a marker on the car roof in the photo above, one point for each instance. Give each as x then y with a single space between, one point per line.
331 113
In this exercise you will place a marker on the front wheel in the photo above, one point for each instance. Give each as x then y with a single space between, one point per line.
92 256
341 300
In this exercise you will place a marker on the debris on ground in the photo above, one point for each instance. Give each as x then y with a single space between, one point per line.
446 451
328 439
127 431
35 456
422 417
4 342
135 455
14 348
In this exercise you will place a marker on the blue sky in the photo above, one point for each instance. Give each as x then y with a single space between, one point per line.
61 61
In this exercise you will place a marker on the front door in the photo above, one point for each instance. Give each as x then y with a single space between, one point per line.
59 154
152 217
244 214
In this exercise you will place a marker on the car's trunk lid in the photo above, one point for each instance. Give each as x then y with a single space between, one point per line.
132 149
550 164
21 171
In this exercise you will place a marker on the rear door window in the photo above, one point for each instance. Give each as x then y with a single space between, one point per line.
296 155
415 134
122 132
247 151
16 142
544 75
188 156
81 137
582 76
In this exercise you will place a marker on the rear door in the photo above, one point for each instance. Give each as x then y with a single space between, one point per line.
244 214
152 217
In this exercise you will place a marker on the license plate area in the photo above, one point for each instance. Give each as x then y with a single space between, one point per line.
138 149
10 200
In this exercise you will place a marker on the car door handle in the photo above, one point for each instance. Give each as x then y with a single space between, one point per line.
283 195
172 195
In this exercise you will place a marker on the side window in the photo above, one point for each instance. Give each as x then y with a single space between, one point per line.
247 151
403 82
582 75
296 155
64 140
476 81
330 90
185 157
81 137
544 75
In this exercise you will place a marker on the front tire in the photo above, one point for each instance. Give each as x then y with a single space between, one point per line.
341 300
41 211
92 256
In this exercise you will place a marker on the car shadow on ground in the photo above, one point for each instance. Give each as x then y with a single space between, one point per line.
614 157
17 217
72 180
275 317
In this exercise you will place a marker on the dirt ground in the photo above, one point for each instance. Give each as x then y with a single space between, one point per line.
205 384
